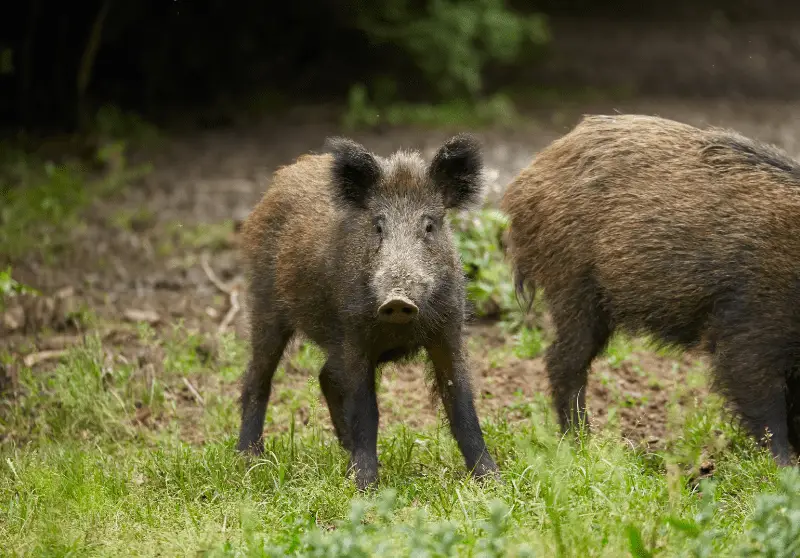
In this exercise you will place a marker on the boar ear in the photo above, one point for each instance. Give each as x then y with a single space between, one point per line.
354 171
457 168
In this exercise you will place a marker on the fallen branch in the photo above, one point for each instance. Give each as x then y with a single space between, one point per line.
232 292
193 390
233 299
33 359
213 276
60 342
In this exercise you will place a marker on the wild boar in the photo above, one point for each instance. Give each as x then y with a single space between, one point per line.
355 252
690 235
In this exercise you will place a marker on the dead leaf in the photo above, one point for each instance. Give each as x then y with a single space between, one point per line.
142 414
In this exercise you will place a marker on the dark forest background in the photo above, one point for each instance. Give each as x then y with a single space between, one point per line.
60 61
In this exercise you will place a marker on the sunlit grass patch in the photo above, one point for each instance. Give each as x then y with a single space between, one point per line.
131 496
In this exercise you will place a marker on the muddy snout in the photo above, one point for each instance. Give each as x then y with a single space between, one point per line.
397 309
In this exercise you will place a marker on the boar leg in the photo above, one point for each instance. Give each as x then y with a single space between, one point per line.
449 361
332 392
582 331
268 340
793 407
354 376
752 375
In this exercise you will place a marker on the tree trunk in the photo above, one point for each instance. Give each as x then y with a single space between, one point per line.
87 63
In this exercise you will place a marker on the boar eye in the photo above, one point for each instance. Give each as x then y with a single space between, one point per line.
378 224
430 224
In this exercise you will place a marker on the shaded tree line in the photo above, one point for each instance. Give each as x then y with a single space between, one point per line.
59 60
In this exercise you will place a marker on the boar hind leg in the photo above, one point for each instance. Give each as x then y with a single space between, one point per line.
449 361
269 337
582 331
793 406
332 392
752 375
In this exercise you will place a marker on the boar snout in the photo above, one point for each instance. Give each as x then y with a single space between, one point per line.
397 309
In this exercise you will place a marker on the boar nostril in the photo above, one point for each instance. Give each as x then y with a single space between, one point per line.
397 310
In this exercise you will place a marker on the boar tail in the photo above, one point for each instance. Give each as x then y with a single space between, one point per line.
524 290
524 287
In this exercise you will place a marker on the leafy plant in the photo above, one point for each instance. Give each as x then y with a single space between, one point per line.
465 35
775 531
490 287
10 287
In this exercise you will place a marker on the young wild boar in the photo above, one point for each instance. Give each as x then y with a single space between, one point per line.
355 251
693 236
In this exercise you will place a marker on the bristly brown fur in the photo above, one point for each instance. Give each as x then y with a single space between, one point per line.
653 226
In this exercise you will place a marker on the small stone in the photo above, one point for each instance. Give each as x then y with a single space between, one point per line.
147 316
14 318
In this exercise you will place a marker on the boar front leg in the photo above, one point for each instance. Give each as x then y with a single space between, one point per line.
453 383
350 382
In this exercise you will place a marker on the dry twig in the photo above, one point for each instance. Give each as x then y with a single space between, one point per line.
212 276
234 309
231 291
193 390
35 358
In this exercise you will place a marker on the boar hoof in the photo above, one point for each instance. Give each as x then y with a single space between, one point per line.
486 469
365 477
254 449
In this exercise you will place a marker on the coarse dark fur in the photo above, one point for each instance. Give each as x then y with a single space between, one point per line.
692 236
335 236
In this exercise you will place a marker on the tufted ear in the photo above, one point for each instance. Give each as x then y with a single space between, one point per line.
354 171
457 169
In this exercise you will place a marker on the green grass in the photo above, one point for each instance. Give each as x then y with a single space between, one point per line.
10 287
79 477
203 236
361 112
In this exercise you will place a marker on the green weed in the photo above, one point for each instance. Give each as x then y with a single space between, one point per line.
467 36
529 343
41 202
361 112
193 236
490 287
10 287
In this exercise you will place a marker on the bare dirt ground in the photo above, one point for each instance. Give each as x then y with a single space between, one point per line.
139 253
